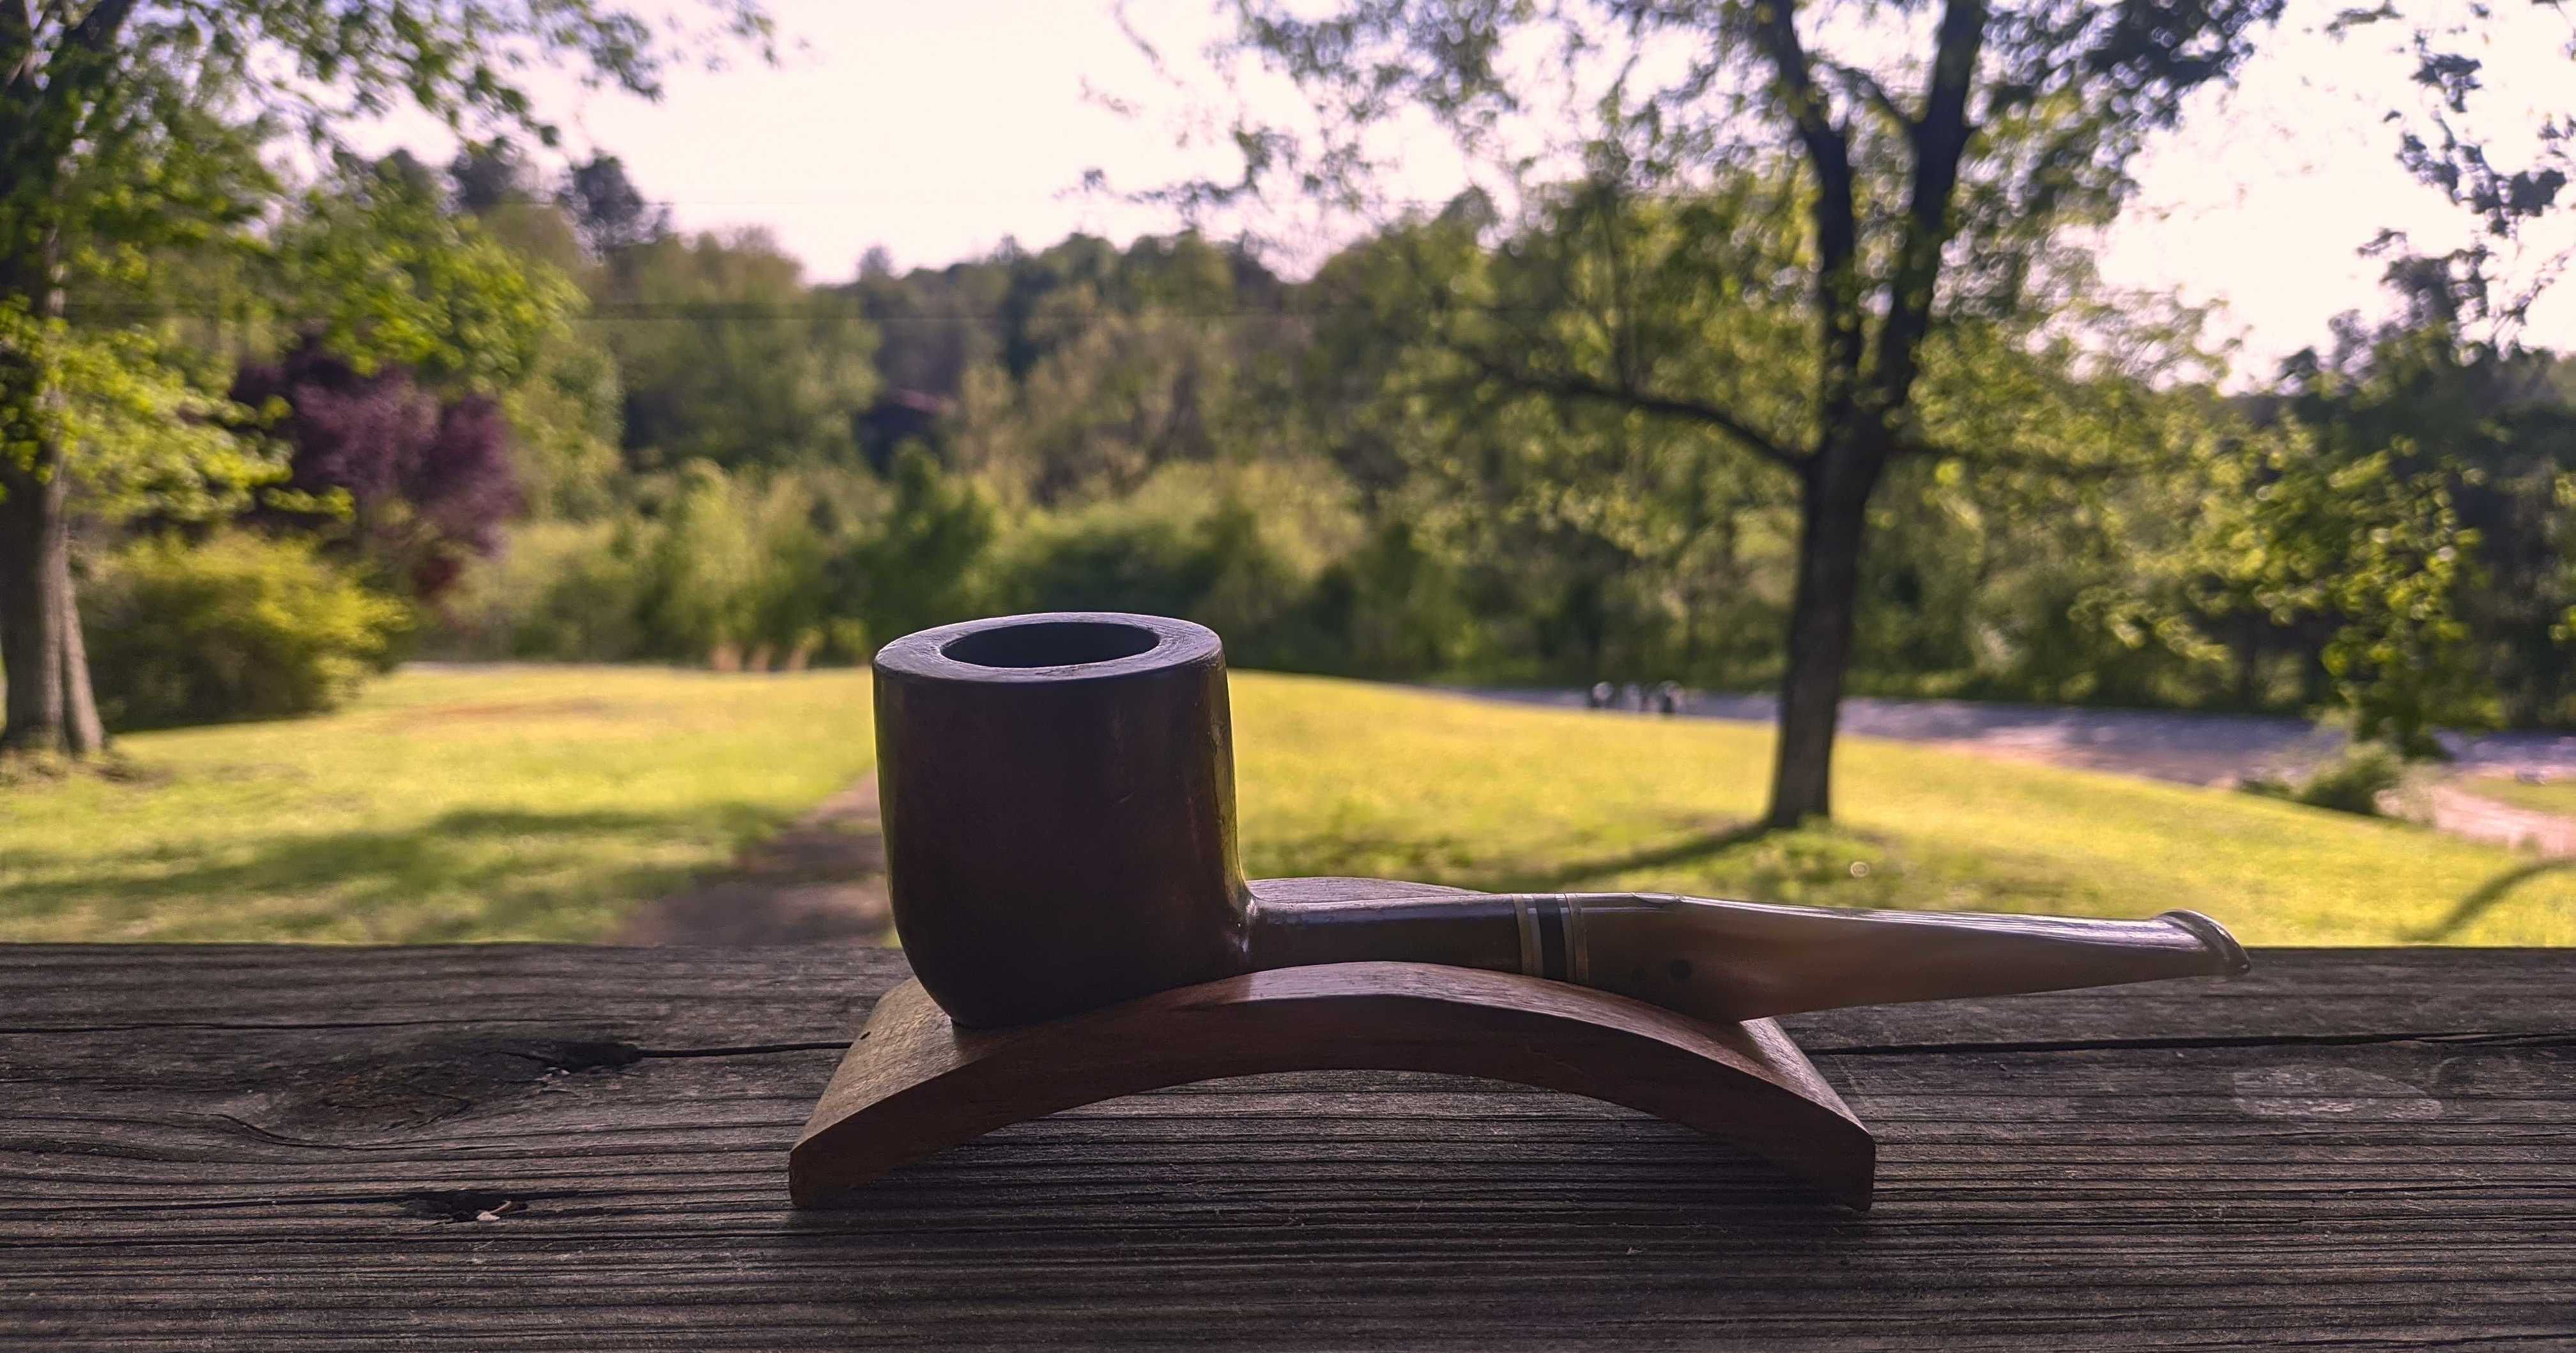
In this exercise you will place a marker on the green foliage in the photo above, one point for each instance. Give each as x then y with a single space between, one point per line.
238 627
152 440
386 274
2353 782
919 565
566 421
2350 783
1242 552
2378 558
733 567
2492 430
565 591
141 128
728 357
135 131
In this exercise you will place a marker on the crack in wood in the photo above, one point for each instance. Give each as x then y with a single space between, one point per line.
469 1205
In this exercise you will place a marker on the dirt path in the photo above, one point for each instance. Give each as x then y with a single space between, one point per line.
2200 749
820 880
2457 807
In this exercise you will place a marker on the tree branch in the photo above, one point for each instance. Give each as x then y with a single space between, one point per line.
83 61
1584 388
17 42
1836 221
1866 86
1940 139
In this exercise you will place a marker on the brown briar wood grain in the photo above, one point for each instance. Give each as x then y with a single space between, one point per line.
289 1148
913 1083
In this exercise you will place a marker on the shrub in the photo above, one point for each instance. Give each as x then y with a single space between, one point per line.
559 591
2351 783
918 564
725 568
1239 549
239 627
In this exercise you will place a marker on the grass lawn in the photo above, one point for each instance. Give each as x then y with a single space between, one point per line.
538 803
504 803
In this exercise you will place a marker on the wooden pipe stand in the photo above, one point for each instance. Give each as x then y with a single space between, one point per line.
914 1084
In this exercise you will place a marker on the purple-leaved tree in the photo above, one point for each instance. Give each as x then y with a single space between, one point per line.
425 484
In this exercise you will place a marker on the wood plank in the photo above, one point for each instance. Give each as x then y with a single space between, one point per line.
285 1148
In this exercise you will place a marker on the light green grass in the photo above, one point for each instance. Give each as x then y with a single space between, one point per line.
541 803
512 803
1340 778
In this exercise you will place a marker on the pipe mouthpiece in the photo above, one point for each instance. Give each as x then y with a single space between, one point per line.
2226 955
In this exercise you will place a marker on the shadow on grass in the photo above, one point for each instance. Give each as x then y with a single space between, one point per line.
1449 861
1696 848
2483 898
509 861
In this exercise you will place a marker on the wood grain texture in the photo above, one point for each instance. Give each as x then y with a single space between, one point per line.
279 1148
913 1083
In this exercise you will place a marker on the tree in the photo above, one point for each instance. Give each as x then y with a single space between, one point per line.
1932 158
132 125
154 442
2381 560
729 357
2460 461
382 271
426 484
608 209
914 568
489 176
2505 179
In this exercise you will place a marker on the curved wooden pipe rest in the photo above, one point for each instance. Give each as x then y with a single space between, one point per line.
915 1084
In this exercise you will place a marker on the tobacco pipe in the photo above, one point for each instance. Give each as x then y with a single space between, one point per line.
1058 804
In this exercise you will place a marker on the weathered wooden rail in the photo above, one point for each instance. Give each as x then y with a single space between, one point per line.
506 1147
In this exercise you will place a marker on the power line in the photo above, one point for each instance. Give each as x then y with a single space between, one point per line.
686 310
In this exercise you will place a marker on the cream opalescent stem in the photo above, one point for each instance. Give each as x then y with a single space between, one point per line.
1740 960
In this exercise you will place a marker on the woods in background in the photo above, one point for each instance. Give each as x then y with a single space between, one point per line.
553 428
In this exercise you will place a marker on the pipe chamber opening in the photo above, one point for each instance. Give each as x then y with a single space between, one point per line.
1051 643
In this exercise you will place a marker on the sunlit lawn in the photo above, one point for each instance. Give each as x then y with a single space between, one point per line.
503 803
531 803
1340 778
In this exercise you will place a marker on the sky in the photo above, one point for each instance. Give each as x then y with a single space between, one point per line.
935 130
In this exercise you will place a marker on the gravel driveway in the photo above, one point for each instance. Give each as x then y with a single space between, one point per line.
2199 749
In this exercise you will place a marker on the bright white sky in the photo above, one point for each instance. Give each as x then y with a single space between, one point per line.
936 129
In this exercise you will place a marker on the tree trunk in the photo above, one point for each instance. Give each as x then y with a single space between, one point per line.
1832 516
31 611
49 707
83 734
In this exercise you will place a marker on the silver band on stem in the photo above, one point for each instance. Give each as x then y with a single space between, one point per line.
1533 963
